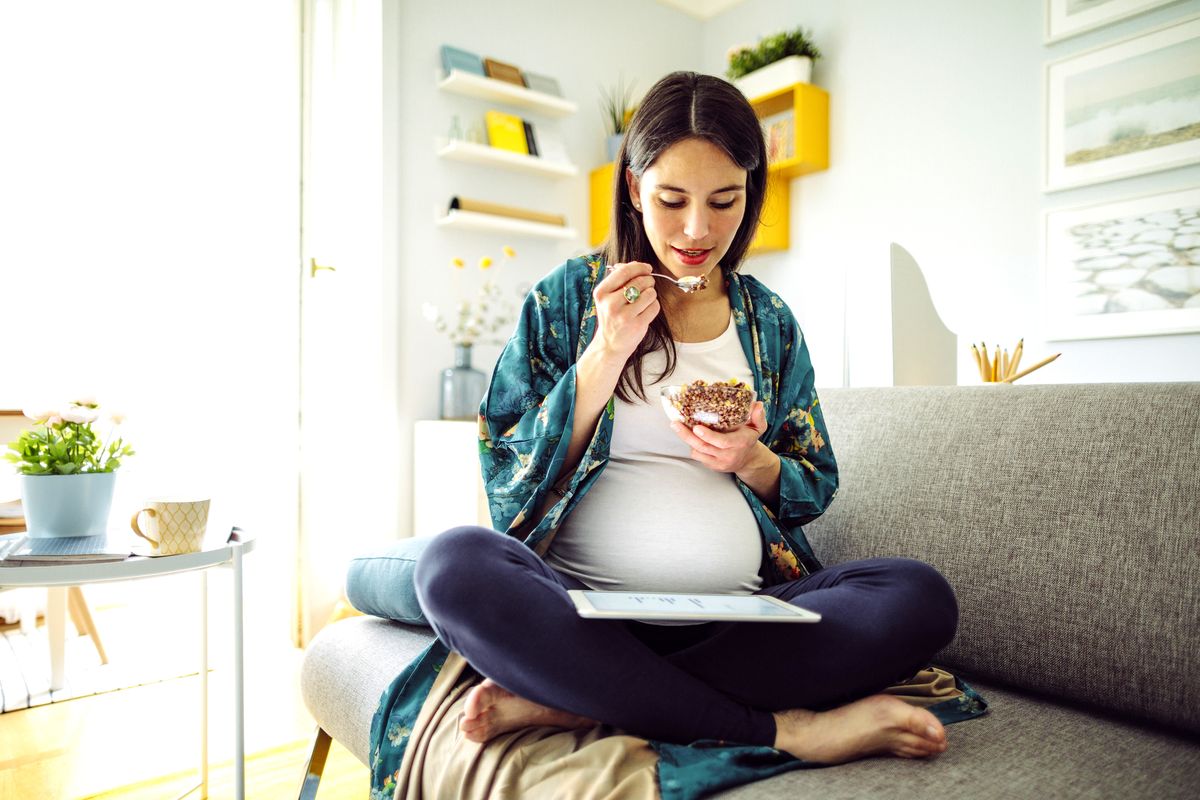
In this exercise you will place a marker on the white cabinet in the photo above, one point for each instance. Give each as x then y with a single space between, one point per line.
447 483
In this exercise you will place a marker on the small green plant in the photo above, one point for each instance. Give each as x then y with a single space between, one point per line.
617 106
745 59
62 442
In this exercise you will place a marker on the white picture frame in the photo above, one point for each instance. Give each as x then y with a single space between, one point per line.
1124 268
1123 109
1066 18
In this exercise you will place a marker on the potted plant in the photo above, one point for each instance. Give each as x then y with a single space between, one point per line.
779 60
617 108
67 471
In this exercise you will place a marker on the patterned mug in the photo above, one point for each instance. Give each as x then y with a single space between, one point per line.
173 526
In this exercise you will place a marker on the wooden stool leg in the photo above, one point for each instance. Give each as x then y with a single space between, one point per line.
83 619
73 610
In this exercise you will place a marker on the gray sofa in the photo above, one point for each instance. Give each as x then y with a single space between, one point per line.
1068 520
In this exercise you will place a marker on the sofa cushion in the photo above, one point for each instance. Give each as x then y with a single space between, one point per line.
1024 747
1067 519
380 583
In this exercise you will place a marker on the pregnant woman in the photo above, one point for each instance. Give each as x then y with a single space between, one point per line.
596 489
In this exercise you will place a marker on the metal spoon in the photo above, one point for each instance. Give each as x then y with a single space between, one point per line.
687 284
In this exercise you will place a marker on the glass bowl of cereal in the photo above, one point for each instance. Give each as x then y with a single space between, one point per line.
722 406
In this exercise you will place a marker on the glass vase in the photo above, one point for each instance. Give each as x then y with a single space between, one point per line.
462 387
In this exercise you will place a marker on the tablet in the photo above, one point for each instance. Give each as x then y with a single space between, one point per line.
687 607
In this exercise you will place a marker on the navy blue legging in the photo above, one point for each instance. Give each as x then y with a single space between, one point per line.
492 600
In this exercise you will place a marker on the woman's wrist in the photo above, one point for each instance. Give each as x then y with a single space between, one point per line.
762 474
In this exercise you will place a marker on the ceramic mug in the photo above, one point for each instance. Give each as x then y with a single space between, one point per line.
172 526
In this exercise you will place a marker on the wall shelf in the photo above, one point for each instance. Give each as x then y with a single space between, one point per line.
809 107
493 223
470 152
465 83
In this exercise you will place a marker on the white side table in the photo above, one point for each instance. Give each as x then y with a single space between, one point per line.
59 576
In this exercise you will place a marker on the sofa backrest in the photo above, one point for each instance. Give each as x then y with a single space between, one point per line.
1067 518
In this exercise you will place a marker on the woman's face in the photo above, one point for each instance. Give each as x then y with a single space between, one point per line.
692 200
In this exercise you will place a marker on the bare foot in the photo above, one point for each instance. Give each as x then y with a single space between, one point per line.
491 710
876 725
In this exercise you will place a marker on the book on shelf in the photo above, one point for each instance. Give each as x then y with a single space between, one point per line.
543 84
496 209
461 60
530 140
779 132
506 131
503 72
18 549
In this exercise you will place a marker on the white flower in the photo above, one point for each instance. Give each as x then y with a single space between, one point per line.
79 414
117 417
88 400
40 414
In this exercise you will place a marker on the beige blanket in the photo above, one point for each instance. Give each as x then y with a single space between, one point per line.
598 763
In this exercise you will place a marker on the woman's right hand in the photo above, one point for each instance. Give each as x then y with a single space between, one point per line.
620 324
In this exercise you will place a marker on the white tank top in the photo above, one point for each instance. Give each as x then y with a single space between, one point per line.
655 520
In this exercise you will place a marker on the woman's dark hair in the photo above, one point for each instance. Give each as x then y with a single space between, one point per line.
683 105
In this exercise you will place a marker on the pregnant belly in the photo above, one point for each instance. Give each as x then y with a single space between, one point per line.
639 532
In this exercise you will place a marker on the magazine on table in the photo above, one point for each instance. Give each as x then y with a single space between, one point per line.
19 549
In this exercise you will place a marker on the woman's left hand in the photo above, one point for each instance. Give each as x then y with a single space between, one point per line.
736 451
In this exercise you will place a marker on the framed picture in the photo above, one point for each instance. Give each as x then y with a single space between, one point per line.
1127 268
1124 109
1068 17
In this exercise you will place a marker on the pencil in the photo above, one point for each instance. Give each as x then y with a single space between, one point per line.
978 360
1004 364
996 365
1025 372
1016 359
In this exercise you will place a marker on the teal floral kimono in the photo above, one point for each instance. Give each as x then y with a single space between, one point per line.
525 426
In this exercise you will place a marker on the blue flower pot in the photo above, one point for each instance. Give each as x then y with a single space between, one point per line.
67 505
612 145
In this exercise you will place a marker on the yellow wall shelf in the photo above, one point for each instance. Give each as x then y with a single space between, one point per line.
809 106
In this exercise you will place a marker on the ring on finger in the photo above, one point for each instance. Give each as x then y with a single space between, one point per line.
631 294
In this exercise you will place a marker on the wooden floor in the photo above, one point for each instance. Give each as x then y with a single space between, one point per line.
94 745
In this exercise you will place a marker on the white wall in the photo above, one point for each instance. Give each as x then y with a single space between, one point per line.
936 139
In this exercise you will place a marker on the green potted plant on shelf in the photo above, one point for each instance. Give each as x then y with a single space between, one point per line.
779 60
67 471
617 108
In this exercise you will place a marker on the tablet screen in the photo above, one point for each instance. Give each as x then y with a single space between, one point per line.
663 605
